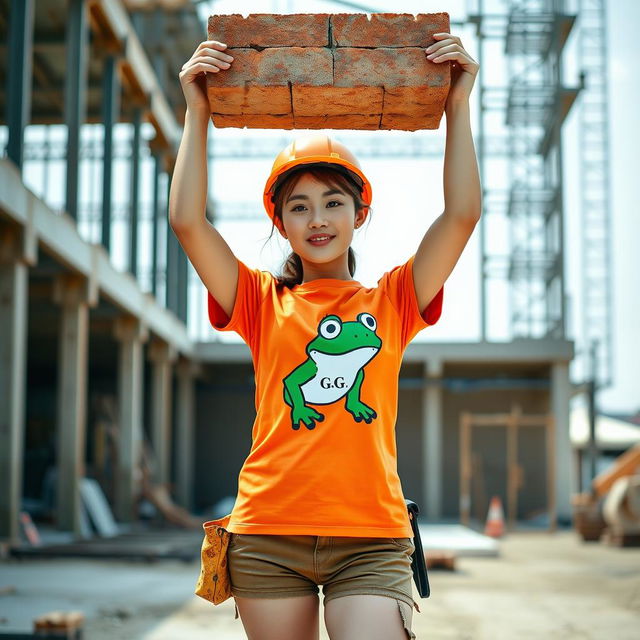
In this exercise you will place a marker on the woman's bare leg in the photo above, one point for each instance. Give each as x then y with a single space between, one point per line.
366 616
295 618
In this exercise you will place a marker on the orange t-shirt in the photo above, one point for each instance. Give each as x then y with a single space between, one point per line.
326 356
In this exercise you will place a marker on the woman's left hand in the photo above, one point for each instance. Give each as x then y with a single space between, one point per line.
464 68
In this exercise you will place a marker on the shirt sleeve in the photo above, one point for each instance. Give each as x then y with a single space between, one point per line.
399 288
253 286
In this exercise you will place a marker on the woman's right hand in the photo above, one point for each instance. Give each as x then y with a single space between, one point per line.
209 57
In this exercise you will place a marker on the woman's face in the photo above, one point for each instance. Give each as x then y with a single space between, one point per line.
314 208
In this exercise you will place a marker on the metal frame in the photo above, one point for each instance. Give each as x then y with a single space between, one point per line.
534 105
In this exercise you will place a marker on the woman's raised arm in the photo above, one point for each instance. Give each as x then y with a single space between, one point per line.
207 250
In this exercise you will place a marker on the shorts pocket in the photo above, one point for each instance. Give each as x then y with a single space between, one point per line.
404 543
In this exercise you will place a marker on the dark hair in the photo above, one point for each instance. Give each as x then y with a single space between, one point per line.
331 177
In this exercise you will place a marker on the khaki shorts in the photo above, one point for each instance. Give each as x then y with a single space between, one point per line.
279 566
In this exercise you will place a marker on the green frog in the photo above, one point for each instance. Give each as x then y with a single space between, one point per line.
333 369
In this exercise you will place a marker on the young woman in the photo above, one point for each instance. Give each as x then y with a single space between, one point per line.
319 498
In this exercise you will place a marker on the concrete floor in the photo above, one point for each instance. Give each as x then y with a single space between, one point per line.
542 586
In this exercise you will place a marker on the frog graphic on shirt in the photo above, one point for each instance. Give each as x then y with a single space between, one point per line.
334 368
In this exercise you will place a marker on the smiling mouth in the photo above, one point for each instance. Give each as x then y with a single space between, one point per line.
324 240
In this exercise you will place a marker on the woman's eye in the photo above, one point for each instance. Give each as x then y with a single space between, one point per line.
330 202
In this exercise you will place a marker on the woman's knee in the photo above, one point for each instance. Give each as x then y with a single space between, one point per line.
290 618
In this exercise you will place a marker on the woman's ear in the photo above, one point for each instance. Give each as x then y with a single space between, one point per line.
361 216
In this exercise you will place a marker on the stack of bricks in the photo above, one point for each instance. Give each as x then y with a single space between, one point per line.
329 71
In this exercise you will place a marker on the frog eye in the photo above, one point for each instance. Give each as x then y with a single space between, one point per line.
330 328
368 321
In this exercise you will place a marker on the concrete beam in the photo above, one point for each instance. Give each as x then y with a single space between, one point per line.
149 5
521 350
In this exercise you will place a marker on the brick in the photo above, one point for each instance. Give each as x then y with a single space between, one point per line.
375 74
270 30
417 101
387 29
336 100
250 100
407 67
353 121
410 122
276 67
252 121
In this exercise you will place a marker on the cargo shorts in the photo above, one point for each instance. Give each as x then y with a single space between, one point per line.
280 566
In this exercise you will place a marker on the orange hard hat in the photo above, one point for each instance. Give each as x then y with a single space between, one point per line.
320 150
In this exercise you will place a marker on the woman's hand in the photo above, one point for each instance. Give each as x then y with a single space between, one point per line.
209 57
463 68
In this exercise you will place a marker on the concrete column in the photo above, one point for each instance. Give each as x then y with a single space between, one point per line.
171 280
19 76
162 356
432 440
135 189
71 292
13 356
131 334
111 89
75 95
185 442
158 214
564 480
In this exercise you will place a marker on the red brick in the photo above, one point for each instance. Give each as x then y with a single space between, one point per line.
418 101
276 67
270 30
252 121
410 123
353 121
387 29
336 100
407 67
250 100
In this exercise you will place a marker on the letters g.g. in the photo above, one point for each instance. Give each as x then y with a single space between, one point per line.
338 382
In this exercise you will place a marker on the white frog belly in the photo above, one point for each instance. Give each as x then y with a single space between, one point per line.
336 374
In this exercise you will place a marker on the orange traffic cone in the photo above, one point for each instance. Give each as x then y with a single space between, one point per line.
495 519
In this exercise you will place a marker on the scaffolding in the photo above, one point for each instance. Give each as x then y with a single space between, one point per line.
595 193
533 105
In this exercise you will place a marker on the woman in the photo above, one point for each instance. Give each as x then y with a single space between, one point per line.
319 498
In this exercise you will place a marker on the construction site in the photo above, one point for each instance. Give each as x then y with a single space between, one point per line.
125 417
